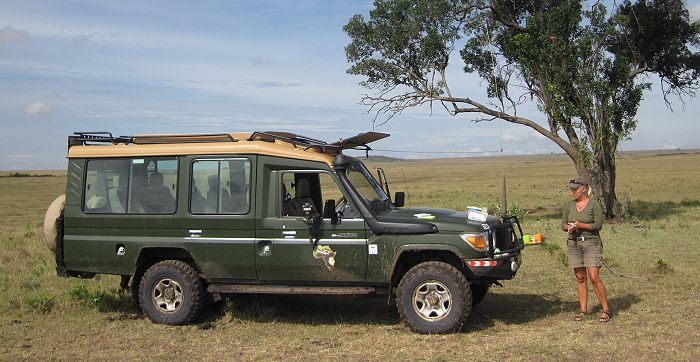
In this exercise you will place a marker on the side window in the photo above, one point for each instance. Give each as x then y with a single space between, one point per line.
312 188
132 186
220 186
106 186
153 186
329 189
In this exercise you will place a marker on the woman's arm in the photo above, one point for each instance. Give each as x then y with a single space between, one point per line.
565 217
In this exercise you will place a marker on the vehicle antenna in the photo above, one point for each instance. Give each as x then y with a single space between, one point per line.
406 186
504 202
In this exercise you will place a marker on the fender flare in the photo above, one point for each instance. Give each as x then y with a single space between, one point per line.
419 247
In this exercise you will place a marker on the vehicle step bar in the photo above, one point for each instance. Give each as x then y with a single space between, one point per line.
284 289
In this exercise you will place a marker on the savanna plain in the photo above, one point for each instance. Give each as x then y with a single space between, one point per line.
654 308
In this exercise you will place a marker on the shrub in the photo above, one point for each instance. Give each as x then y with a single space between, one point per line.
513 209
83 295
41 302
564 258
551 248
662 266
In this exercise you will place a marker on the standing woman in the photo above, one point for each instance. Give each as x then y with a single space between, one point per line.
582 219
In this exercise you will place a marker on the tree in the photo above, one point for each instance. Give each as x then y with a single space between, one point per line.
585 69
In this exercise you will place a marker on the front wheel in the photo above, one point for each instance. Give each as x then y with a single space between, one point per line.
434 297
171 292
479 291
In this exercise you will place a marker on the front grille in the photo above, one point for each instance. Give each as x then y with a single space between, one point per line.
504 237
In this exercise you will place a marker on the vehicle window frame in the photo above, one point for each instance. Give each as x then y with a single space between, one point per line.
248 187
362 169
335 181
129 188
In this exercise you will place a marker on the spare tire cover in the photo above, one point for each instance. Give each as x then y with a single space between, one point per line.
50 228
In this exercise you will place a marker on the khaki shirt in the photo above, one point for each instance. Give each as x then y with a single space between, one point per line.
591 214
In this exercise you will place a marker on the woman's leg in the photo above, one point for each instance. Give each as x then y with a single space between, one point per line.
598 286
581 288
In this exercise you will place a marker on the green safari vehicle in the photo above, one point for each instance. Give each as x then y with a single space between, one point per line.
190 217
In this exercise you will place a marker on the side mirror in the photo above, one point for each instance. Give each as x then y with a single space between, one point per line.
329 211
399 199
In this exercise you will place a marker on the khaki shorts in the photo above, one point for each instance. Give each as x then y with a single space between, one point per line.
587 253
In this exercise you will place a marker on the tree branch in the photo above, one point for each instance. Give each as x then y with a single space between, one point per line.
480 108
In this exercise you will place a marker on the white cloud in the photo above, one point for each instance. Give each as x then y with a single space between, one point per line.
37 108
10 34
695 12
669 147
507 137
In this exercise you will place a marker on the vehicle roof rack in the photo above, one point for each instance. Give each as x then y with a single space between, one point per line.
295 139
92 138
183 138
357 142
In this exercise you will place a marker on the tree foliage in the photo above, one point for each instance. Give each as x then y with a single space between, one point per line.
584 68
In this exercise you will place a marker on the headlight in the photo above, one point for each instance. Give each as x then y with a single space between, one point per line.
477 241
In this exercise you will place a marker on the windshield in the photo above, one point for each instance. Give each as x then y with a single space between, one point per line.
368 187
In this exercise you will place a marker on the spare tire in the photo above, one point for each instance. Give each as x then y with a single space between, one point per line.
51 232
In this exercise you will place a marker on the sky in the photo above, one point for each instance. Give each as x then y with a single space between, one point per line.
168 66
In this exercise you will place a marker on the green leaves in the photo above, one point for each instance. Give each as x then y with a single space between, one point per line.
579 64
403 42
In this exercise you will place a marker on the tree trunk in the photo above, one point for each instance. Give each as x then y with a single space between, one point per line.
602 177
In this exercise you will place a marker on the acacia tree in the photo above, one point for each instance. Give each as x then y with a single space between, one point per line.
585 69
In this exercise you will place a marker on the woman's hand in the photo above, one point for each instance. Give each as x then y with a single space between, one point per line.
577 225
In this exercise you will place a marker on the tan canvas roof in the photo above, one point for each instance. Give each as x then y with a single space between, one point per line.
263 143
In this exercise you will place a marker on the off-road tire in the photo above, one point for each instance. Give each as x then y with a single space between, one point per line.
174 274
454 285
479 291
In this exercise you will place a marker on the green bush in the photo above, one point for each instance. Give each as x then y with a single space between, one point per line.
564 258
41 302
513 209
662 266
83 295
551 248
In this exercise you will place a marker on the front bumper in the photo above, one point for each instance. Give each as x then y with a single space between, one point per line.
504 266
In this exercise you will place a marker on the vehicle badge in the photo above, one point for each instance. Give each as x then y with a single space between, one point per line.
327 254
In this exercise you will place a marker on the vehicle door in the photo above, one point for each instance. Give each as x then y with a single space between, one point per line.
333 252
220 224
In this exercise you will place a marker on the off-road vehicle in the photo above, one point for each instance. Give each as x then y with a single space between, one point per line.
183 217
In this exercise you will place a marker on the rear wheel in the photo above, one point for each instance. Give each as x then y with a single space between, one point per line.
171 292
434 297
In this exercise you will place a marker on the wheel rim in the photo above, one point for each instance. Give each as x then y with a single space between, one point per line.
167 295
432 300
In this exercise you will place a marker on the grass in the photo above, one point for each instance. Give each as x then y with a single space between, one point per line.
655 317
